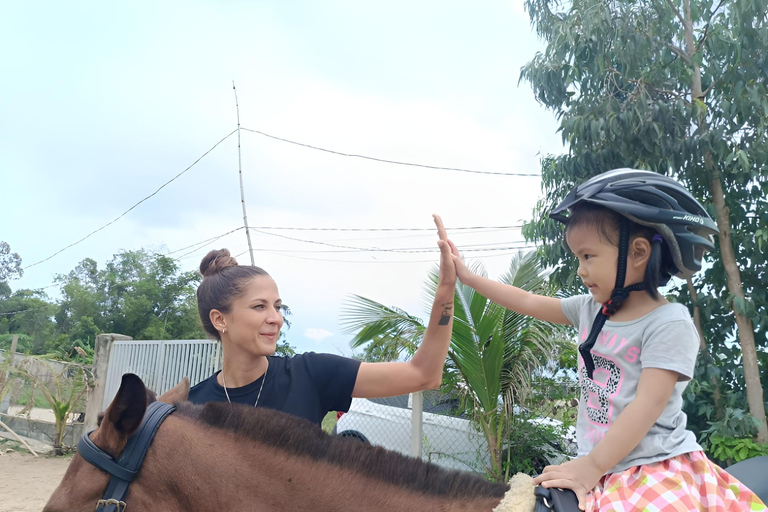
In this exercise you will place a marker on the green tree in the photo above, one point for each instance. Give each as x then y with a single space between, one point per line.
29 312
284 348
493 351
677 87
80 313
139 293
10 263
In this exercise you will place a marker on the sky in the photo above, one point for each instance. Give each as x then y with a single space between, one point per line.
103 103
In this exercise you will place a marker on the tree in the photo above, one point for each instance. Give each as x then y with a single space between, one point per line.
30 313
493 351
677 87
62 390
284 348
10 263
141 294
80 313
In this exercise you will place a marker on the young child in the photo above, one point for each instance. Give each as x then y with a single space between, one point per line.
631 231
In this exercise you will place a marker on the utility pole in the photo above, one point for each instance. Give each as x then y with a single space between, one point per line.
240 170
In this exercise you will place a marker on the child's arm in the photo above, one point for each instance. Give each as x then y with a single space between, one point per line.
581 475
511 297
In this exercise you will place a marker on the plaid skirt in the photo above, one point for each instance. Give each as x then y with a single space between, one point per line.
688 482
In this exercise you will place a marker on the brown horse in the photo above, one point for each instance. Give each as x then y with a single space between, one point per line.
219 456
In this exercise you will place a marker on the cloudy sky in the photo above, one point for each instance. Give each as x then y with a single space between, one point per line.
101 104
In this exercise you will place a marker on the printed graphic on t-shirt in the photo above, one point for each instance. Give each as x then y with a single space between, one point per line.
598 393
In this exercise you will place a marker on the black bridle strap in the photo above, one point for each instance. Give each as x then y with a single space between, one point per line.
618 295
127 465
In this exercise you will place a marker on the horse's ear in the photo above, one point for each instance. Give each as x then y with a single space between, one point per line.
179 393
123 416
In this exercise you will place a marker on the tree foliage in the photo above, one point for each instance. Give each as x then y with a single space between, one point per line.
10 263
677 87
493 354
138 293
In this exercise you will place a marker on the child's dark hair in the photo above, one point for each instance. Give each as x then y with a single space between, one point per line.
606 223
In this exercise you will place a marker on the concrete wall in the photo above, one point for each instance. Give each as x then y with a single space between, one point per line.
38 429
42 430
40 369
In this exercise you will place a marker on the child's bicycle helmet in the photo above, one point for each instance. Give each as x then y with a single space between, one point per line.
656 201
653 200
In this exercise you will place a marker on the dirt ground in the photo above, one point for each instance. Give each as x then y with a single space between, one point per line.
26 482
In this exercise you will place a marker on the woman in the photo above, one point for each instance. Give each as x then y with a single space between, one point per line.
240 306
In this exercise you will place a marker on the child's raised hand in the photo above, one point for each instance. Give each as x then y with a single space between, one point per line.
462 271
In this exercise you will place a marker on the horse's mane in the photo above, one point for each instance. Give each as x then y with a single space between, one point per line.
300 437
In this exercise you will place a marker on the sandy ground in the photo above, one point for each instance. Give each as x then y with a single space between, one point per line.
26 482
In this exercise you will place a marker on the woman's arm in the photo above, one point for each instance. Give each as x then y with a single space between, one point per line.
581 475
425 369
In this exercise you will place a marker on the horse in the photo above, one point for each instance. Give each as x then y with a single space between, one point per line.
221 456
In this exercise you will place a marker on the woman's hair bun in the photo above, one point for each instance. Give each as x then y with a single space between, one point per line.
216 261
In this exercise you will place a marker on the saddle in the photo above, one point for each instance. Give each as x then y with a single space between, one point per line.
752 473
555 500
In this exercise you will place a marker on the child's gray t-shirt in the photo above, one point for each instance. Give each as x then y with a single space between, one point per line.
665 338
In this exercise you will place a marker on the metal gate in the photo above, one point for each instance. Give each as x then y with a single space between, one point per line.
161 364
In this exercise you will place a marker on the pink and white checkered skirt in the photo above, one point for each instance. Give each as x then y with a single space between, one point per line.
688 482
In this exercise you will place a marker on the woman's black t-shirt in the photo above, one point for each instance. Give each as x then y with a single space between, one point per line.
306 385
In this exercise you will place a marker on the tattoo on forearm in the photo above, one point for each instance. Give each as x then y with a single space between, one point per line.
446 314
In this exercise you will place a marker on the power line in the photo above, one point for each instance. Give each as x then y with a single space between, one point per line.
198 245
480 248
417 232
417 235
350 248
287 228
25 310
132 207
469 248
391 161
214 238
375 261
367 249
515 226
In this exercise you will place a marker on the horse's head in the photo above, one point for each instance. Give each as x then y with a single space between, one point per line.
84 484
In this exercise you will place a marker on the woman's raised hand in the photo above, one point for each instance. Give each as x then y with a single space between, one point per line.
447 267
460 269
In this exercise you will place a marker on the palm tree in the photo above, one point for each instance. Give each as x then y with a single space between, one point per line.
494 351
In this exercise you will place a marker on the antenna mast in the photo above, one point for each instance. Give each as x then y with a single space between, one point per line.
240 170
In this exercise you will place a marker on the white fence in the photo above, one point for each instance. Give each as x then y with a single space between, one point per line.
161 364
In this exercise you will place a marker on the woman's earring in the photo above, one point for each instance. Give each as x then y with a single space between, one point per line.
223 330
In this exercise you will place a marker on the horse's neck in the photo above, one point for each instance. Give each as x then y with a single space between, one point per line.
243 475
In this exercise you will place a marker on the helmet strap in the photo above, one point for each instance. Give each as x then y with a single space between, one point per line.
618 295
